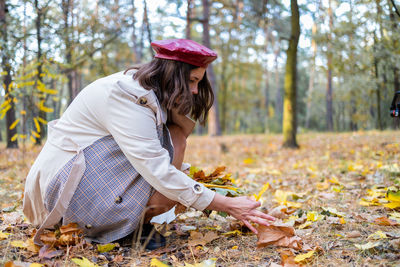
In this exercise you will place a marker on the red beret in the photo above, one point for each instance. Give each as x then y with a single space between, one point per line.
184 50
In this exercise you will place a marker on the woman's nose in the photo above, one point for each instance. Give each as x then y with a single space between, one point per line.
194 90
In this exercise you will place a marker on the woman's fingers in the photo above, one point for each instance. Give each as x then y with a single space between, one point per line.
263 215
251 227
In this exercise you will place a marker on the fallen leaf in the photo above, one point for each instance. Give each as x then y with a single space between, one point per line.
304 257
262 191
392 205
287 258
205 263
353 234
278 235
4 235
368 245
22 264
70 228
377 235
119 258
197 238
47 252
84 262
31 246
105 247
385 221
18 244
12 218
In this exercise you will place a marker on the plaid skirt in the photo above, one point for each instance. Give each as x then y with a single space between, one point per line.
111 196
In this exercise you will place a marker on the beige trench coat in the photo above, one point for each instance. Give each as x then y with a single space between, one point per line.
115 105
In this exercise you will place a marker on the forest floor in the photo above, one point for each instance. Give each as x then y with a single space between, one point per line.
337 191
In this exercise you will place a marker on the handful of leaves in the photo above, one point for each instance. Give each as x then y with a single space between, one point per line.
219 181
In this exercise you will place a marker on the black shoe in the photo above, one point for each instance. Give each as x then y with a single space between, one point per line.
156 239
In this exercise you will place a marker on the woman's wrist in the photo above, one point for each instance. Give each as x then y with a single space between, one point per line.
220 203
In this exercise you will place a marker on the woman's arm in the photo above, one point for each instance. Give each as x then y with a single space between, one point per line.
242 208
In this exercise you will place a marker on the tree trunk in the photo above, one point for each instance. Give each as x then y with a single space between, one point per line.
329 106
214 128
147 23
289 104
278 96
312 69
39 79
378 88
7 79
189 19
137 54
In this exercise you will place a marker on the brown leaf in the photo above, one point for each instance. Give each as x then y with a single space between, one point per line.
118 258
31 246
48 238
279 212
197 238
70 228
217 171
12 218
46 252
179 208
287 258
353 234
385 221
278 235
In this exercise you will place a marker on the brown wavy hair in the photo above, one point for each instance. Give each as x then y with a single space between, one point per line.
169 79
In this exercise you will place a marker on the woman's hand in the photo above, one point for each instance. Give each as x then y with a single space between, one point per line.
243 209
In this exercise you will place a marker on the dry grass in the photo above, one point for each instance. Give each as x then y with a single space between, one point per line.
355 159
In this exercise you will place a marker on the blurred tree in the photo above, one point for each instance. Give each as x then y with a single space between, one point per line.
289 103
214 128
8 106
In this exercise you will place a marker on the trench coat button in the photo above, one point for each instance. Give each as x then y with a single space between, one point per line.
197 188
118 199
88 226
142 101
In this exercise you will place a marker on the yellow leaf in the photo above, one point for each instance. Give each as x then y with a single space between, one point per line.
302 257
35 134
4 235
41 120
333 211
105 247
36 265
305 225
248 161
14 124
342 220
377 235
35 120
291 204
18 244
14 137
393 196
32 139
44 108
262 191
314 216
322 186
235 247
368 245
334 180
157 263
23 136
83 262
235 232
23 112
392 205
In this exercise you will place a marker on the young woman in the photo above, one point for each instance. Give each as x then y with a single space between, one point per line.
119 148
